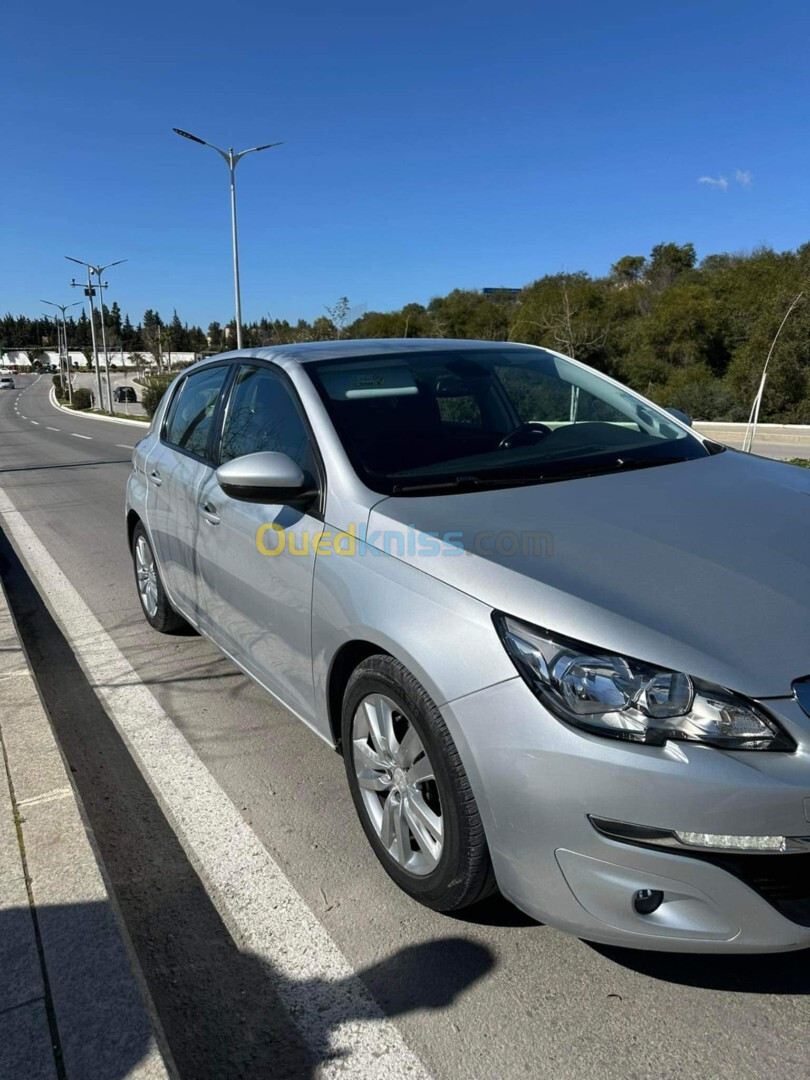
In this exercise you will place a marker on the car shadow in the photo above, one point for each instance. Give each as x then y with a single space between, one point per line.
496 910
770 973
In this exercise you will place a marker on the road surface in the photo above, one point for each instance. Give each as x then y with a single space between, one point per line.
488 995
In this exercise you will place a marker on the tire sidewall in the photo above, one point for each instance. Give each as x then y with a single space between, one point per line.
165 618
380 675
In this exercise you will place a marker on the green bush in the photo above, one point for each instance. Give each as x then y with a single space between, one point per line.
153 390
57 385
82 398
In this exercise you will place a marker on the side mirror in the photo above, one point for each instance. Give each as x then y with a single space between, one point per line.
267 477
684 419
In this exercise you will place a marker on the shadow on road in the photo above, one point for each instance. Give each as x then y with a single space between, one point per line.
223 1009
240 1028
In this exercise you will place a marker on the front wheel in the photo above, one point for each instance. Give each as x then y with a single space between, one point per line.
155 604
410 789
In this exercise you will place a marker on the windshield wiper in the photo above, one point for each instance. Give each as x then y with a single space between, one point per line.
618 464
465 483
479 483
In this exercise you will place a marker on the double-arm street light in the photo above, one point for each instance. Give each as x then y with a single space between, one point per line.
231 160
90 292
64 343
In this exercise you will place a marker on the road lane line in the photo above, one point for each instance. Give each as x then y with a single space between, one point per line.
124 446
52 429
75 436
34 422
337 1017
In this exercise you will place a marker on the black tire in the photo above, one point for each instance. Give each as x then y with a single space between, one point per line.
164 618
463 874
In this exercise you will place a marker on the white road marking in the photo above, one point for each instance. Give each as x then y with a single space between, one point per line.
338 1019
124 446
75 436
52 429
34 422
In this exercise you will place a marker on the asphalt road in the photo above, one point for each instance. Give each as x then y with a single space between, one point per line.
490 995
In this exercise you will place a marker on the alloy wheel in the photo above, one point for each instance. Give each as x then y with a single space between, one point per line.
398 785
146 574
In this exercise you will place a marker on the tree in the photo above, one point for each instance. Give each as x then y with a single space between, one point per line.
668 261
216 338
152 335
339 314
629 269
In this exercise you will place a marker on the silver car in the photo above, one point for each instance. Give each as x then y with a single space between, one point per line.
561 641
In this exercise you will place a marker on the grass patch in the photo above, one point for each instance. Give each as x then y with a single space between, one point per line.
103 412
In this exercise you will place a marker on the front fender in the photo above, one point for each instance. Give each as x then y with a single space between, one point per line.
443 636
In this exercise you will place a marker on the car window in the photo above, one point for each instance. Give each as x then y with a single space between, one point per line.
424 420
191 414
263 415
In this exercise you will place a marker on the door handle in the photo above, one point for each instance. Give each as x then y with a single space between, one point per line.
210 514
155 476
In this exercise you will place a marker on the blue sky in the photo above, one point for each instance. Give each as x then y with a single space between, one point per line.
427 145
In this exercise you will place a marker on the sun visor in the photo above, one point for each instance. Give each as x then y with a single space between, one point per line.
347 382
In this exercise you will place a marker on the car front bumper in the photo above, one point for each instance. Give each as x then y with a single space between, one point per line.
538 782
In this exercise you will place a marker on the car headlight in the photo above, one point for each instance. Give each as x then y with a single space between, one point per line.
628 699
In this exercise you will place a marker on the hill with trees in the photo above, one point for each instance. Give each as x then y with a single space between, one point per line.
687 334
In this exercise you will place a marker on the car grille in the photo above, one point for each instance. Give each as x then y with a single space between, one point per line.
782 880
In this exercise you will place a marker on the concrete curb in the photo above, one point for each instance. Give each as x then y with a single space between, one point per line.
94 416
792 434
73 1002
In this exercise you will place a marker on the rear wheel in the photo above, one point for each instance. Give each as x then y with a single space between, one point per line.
410 789
155 604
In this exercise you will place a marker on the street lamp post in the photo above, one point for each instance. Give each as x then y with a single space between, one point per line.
63 308
90 293
231 160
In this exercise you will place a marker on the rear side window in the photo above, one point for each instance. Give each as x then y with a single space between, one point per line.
191 414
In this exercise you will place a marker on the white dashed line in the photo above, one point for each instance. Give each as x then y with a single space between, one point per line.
75 436
52 429
34 422
124 446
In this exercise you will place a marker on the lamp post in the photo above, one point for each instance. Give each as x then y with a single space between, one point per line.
63 308
231 160
89 292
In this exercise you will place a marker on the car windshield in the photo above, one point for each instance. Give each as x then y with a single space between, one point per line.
424 422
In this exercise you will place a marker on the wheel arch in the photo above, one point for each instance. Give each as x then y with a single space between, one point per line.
345 661
133 517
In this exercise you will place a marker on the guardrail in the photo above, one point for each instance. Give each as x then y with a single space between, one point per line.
796 434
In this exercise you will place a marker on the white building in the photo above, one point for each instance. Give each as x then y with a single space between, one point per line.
20 358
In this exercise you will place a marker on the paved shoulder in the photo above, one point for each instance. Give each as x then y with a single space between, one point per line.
71 1003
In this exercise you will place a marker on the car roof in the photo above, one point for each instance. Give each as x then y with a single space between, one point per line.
307 352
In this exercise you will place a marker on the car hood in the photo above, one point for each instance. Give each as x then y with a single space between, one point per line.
702 566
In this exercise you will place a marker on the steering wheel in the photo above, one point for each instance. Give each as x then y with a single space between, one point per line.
524 435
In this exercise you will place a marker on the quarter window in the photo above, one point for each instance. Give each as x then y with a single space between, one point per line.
188 425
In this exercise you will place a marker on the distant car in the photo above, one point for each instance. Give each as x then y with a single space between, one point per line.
6 382
124 393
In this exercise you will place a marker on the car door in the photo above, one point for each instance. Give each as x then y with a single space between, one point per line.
257 605
177 466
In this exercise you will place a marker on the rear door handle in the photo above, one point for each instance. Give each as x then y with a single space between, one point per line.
155 475
210 514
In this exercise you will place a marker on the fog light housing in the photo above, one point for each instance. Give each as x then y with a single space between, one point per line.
646 901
